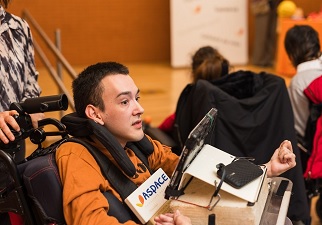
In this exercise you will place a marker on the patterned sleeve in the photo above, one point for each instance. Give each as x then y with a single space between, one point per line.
32 88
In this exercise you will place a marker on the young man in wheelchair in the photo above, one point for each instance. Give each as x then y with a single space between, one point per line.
106 94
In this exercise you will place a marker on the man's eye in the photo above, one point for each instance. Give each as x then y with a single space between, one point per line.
124 102
137 98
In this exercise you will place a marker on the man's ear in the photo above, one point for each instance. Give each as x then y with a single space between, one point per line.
93 113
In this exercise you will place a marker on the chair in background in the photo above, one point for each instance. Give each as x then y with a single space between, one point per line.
254 117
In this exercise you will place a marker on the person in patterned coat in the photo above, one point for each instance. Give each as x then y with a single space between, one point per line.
19 77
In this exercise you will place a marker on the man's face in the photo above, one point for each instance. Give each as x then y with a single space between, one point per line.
122 115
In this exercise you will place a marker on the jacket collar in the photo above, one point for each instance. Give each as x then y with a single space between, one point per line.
2 13
7 20
310 65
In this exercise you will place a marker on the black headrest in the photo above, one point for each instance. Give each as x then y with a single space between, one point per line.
75 125
82 127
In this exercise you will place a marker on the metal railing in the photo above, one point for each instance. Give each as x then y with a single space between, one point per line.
61 61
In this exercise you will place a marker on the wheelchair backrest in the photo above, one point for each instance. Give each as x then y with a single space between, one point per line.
33 190
44 189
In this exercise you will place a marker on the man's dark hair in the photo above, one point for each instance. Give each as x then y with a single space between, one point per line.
87 87
302 44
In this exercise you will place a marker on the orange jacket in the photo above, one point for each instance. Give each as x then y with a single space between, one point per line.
83 182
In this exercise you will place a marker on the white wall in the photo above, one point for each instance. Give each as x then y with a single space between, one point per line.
218 23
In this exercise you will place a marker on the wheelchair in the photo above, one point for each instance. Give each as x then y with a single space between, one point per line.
31 189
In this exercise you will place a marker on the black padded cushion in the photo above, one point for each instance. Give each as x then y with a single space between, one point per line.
81 127
44 188
76 126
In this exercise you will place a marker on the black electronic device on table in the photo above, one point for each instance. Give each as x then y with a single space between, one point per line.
192 147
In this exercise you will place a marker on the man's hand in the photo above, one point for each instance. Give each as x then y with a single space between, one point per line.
282 160
175 218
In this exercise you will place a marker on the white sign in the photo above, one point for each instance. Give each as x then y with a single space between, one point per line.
221 24
148 198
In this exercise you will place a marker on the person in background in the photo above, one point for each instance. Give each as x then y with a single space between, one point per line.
18 76
303 49
18 80
265 23
204 62
106 94
208 64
